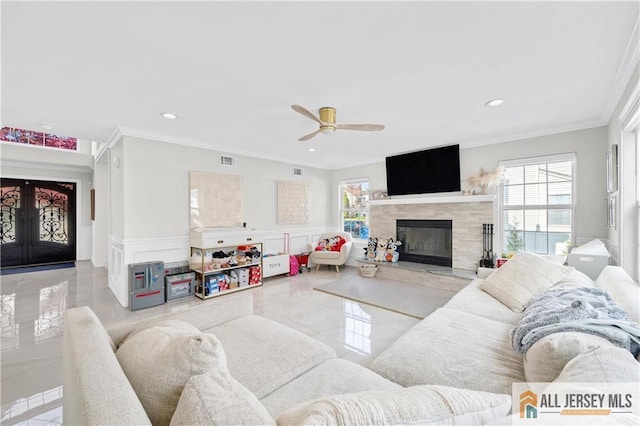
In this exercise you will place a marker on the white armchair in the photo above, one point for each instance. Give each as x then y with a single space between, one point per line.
328 257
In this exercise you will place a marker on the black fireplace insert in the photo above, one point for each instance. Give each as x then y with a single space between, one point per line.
425 241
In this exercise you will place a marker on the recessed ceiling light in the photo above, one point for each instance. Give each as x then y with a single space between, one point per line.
46 126
494 102
311 150
169 115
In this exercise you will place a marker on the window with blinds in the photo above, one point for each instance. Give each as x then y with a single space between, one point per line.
538 205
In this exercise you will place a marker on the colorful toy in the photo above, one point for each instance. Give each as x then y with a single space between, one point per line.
233 258
381 250
255 254
303 261
370 250
392 253
322 245
294 266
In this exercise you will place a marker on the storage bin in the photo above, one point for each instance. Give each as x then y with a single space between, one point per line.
274 264
368 270
590 258
590 264
179 285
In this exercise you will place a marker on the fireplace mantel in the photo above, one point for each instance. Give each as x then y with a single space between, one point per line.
435 200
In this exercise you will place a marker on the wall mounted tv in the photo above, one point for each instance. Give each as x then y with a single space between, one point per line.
424 172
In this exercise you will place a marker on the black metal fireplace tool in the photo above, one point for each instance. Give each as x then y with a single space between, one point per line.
487 246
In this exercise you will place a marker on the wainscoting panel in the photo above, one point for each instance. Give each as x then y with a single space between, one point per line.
173 249
299 240
117 279
122 253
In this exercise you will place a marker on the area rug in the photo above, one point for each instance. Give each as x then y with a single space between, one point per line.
413 300
36 268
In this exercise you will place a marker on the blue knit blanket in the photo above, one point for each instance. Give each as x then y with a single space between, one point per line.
585 309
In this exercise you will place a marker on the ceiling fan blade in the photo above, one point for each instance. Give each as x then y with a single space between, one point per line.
309 136
306 113
365 127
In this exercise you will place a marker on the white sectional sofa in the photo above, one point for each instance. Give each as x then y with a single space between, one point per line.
455 367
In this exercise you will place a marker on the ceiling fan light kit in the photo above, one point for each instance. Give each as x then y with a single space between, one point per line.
327 122
328 118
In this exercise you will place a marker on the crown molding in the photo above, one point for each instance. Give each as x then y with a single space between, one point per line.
628 65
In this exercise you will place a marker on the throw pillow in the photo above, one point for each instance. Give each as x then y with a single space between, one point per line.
622 289
218 399
159 360
414 405
546 358
522 277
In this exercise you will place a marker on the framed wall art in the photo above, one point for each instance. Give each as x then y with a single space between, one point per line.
293 202
215 200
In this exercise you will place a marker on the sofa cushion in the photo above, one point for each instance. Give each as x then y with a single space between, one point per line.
601 364
201 315
546 358
159 360
325 254
335 376
218 399
264 355
622 289
475 301
415 405
575 279
522 277
453 348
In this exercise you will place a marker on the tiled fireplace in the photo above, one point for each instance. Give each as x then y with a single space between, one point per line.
467 214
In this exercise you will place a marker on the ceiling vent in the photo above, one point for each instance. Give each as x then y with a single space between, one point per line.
297 172
227 161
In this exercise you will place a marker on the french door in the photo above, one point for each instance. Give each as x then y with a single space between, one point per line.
38 222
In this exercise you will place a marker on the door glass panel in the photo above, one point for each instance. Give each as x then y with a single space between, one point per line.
53 209
10 196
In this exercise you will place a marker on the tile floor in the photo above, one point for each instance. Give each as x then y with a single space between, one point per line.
33 304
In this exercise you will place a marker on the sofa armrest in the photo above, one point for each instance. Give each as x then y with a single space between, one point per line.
96 390
205 315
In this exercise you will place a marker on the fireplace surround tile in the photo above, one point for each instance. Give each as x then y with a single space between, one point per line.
467 218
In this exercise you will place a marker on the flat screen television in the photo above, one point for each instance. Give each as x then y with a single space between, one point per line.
424 172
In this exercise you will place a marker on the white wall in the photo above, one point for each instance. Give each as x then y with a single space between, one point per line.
156 188
149 202
589 145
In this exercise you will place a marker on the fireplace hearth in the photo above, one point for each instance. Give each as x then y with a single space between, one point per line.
425 241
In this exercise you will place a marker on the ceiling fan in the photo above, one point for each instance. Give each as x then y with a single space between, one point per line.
327 122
